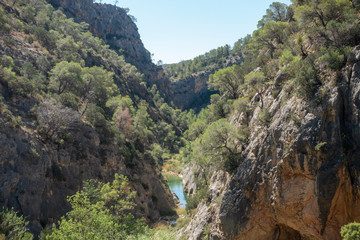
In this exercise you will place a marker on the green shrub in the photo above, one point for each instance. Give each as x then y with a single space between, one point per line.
4 26
307 78
264 117
100 211
193 201
69 100
13 227
334 58
351 231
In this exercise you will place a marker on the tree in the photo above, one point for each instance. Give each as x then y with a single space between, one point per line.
256 81
227 81
321 12
100 211
307 78
53 118
143 126
66 76
270 37
4 26
98 81
276 12
68 49
218 146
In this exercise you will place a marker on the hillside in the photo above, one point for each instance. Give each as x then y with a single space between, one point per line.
189 87
72 109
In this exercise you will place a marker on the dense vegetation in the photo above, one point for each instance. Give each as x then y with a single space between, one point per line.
99 211
75 79
208 62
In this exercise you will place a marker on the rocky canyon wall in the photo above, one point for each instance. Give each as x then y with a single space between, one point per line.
300 174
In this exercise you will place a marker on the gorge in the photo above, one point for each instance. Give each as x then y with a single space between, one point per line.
265 133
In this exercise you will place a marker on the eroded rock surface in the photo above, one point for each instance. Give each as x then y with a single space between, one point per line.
300 174
299 179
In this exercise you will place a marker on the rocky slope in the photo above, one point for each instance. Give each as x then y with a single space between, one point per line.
38 172
111 24
300 175
37 175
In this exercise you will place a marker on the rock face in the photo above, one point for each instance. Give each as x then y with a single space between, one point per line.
300 174
114 26
300 178
37 176
191 92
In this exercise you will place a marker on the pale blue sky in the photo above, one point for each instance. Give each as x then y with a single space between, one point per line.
175 30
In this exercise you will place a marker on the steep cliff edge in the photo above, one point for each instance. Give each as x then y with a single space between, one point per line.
300 176
116 28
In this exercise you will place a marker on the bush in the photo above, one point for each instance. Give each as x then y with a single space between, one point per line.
264 117
13 227
307 78
351 231
99 211
334 58
54 118
193 201
4 26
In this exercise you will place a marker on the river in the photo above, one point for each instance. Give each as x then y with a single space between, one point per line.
176 185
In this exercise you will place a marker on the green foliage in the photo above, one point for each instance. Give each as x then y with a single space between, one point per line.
334 58
4 25
228 81
241 105
264 117
100 211
143 126
270 37
156 152
307 78
211 60
195 129
66 76
28 14
13 227
320 145
256 81
218 146
350 231
276 12
192 201
217 108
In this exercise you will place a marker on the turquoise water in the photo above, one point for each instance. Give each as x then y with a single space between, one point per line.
176 185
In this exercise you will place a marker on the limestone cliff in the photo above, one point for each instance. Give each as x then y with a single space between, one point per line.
300 174
116 27
191 92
